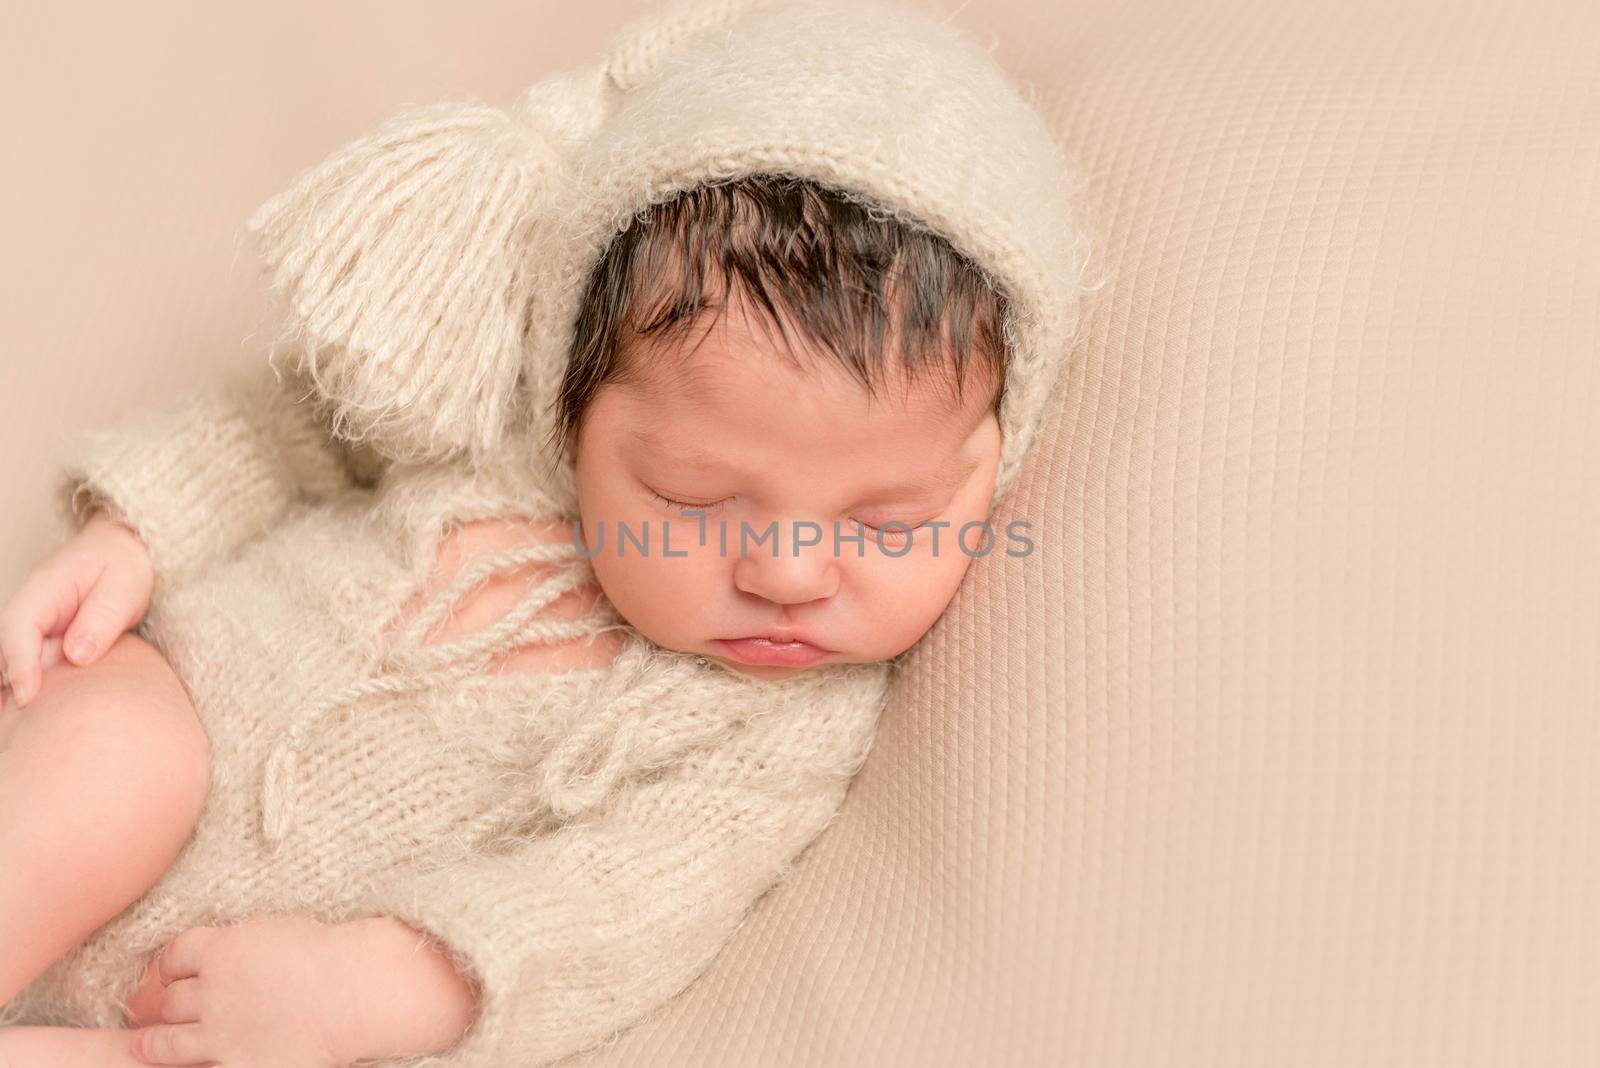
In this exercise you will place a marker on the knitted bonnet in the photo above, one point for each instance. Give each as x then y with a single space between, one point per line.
433 268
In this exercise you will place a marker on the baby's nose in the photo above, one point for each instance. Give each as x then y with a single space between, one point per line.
794 569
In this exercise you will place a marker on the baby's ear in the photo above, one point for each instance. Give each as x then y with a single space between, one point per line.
405 260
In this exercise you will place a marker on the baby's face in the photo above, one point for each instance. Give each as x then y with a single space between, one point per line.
778 458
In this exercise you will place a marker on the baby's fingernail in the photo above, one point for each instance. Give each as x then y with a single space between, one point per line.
81 649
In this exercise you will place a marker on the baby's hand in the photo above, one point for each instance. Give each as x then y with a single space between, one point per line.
75 604
268 992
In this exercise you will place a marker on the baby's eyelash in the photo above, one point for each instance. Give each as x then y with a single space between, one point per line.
686 506
710 509
897 532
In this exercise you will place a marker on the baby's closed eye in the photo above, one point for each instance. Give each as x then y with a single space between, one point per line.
503 589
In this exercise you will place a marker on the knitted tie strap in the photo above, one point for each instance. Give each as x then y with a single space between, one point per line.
410 665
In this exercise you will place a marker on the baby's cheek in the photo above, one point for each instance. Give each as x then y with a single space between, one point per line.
909 593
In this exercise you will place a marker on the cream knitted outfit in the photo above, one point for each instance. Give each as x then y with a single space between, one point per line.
584 843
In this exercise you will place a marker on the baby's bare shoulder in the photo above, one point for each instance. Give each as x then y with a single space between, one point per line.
502 591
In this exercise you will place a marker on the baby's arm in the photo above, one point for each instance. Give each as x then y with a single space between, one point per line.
197 477
73 605
359 990
185 483
408 996
291 989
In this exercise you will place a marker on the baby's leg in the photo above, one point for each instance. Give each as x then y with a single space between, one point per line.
102 777
67 1047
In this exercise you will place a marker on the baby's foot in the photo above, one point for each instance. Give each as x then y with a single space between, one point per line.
67 1047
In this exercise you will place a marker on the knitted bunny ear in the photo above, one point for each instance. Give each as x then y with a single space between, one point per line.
639 45
404 257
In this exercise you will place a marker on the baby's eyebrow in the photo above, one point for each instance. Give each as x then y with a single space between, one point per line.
698 457
947 478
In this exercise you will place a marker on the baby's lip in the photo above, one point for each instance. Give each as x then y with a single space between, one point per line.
779 636
799 655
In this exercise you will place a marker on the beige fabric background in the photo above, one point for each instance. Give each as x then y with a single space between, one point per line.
1280 750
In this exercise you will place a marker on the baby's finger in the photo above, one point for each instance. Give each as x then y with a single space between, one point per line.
42 607
105 614
180 1002
143 1007
49 657
180 957
50 653
21 644
172 1044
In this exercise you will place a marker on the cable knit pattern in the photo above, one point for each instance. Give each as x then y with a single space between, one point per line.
582 842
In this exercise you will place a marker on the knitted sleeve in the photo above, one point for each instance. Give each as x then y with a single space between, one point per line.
572 937
200 475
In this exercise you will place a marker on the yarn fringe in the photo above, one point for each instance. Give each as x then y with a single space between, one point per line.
404 259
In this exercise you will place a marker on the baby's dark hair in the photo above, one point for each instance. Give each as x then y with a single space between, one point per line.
845 271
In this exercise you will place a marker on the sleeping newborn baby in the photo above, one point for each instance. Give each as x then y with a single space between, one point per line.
492 661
